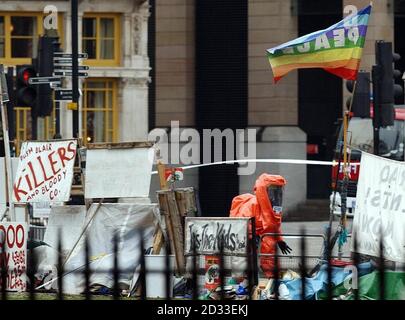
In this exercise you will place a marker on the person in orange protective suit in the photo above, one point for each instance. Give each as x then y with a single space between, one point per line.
266 207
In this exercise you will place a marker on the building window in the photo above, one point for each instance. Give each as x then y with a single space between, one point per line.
99 115
24 32
19 32
22 126
46 127
100 39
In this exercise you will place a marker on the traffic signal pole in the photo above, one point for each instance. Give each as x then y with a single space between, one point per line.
376 112
75 67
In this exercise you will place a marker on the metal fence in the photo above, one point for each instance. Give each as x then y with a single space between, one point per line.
252 269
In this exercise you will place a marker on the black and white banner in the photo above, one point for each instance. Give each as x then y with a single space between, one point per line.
380 208
207 234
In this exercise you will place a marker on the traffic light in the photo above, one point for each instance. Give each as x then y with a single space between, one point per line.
46 47
26 93
361 95
384 87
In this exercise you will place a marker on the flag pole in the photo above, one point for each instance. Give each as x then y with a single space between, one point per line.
346 170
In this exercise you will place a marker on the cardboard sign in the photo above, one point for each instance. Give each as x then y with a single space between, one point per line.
380 207
45 171
13 255
41 209
3 180
206 235
118 172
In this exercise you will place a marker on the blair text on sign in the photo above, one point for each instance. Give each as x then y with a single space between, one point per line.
45 171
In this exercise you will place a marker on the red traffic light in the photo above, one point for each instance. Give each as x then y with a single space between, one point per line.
25 73
26 93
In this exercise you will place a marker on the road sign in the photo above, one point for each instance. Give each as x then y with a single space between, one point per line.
64 95
55 85
62 60
61 67
42 80
69 55
69 74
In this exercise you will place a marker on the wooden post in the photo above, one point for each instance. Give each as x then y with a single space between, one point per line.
168 207
159 239
185 198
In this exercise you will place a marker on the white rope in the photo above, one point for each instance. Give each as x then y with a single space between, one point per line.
286 161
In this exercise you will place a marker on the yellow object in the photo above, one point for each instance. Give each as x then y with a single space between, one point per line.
98 36
100 102
72 105
7 36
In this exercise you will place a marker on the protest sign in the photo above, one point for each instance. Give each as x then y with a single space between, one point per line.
45 171
119 172
206 235
13 255
380 207
3 183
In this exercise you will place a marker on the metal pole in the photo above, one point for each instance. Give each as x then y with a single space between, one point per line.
57 118
75 67
376 111
7 148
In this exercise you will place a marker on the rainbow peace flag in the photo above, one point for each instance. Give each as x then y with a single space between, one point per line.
336 49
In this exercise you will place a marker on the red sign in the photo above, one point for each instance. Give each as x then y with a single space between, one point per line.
13 255
174 174
212 280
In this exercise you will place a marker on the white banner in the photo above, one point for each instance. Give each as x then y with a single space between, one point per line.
13 255
206 235
118 173
380 207
45 171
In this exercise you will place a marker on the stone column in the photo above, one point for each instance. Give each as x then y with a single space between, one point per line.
134 109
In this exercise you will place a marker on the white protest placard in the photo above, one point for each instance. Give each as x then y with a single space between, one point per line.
3 181
380 207
119 172
206 234
45 171
69 221
13 255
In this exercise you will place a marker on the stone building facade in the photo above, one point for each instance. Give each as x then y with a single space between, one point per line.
114 102
286 119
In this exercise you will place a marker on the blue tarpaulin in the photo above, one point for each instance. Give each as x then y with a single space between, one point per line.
320 280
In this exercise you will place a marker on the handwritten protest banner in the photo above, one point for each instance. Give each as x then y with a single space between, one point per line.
13 255
206 235
114 171
380 207
45 171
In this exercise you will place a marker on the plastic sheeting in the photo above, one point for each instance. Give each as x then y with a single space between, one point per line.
123 220
369 287
319 282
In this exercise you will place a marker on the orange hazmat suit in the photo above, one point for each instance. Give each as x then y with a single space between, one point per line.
266 220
